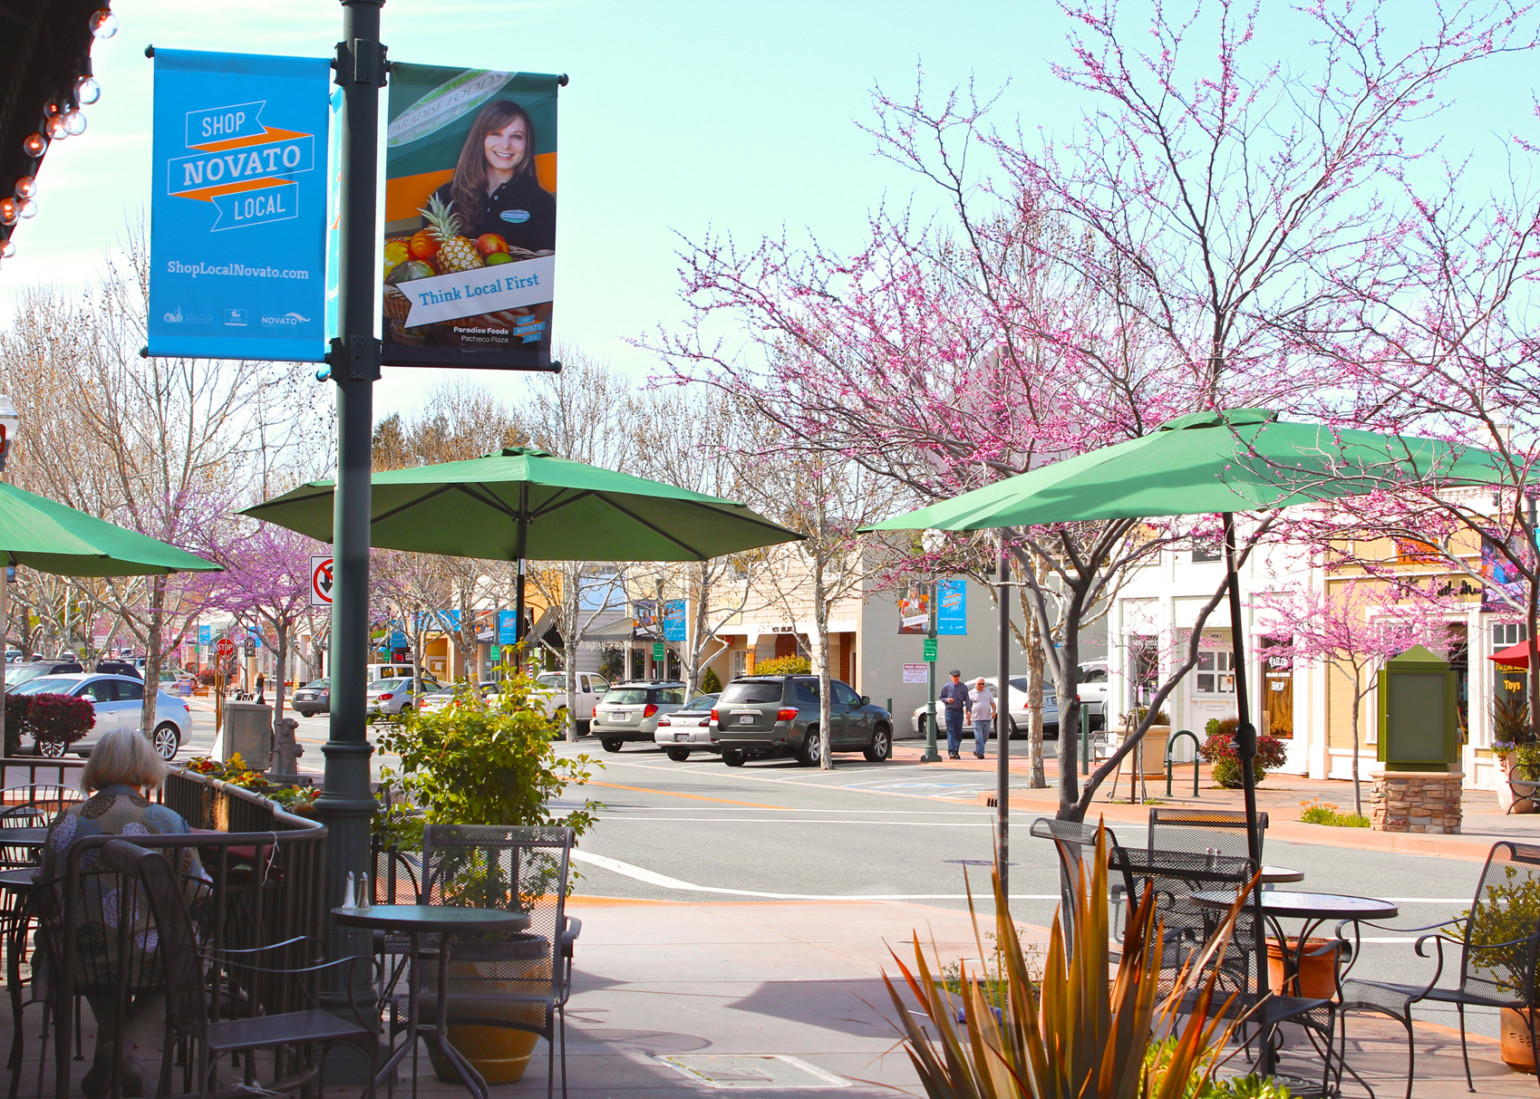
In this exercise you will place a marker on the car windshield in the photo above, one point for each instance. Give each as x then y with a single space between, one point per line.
554 680
626 696
24 673
46 684
701 702
750 691
386 684
319 684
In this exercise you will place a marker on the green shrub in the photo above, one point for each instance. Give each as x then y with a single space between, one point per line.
1316 811
479 762
783 665
1219 750
710 684
1510 719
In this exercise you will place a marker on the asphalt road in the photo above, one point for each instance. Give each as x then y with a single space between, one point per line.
776 831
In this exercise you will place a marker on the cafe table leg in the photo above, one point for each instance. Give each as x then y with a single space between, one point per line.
473 1079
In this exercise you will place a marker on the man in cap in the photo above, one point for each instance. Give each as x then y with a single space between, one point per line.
954 701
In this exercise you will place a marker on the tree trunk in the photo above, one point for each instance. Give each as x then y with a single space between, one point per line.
153 641
280 676
1358 799
1039 775
821 651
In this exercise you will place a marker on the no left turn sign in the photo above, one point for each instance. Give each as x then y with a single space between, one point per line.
321 581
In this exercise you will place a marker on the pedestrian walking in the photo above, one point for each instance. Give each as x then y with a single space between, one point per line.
954 702
261 686
981 711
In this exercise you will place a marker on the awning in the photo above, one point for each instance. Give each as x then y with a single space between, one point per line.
1514 656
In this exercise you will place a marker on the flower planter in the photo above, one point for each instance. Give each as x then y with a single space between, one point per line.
1317 974
493 970
1505 799
1155 750
1516 1050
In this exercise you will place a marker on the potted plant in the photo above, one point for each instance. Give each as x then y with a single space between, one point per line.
53 721
481 762
1155 737
1511 732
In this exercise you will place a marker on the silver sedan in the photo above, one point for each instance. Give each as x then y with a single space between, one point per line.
688 730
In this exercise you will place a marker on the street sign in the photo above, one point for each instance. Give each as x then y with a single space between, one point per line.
321 581
930 650
914 673
657 651
398 640
225 648
495 653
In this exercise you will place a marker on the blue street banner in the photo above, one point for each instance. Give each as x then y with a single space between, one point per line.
673 620
205 635
397 640
952 608
238 206
507 628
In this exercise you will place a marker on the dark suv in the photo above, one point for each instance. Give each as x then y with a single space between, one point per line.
773 715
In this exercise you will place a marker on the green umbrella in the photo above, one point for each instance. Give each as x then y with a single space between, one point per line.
52 537
1242 459
525 504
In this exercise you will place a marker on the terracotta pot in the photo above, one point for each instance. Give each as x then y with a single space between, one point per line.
1516 1050
1317 975
1505 798
1155 750
499 1053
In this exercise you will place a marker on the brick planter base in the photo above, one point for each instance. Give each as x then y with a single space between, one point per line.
1416 801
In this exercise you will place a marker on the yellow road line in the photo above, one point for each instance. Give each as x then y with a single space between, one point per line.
692 797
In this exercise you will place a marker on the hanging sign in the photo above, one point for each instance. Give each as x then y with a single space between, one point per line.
470 218
928 650
238 206
915 673
673 620
951 608
507 628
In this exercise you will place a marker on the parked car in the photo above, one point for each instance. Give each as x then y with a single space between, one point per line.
687 730
24 673
552 688
392 697
630 711
772 715
313 698
175 681
119 667
434 701
119 701
1018 706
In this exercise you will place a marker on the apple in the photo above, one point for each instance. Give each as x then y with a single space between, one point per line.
498 257
489 243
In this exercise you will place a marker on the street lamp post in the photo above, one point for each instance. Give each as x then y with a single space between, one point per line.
10 420
931 541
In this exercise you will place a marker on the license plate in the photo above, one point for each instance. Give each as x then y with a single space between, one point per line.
745 719
681 736
621 715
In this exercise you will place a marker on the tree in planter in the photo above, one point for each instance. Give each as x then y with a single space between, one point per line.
1219 750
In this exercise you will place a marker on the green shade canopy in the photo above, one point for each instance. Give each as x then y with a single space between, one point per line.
525 503
1241 459
52 537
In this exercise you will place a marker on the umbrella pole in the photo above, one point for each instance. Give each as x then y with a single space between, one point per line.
1246 749
1003 730
518 591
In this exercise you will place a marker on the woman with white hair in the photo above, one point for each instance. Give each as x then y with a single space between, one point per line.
123 768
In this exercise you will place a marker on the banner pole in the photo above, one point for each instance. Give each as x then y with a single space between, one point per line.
347 801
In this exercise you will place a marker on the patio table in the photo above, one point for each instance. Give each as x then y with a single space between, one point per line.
415 921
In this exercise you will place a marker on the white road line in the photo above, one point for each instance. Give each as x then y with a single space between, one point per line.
663 881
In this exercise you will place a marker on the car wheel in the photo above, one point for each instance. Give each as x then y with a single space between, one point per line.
678 755
881 746
166 740
734 757
52 749
612 743
812 747
1016 733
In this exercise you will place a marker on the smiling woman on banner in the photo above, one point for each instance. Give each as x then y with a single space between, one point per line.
495 189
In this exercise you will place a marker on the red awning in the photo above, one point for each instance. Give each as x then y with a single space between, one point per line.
1515 656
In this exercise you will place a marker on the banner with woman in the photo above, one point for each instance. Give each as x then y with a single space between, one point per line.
470 218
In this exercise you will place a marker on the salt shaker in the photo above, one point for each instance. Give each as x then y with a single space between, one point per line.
364 896
350 894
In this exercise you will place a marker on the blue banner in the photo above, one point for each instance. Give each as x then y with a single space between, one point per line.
673 620
952 608
507 628
205 635
238 206
397 640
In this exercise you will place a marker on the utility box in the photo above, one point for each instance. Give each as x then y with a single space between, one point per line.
1419 718
249 731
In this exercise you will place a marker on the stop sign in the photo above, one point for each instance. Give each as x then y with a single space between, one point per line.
225 648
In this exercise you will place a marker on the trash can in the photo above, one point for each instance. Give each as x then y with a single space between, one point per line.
249 731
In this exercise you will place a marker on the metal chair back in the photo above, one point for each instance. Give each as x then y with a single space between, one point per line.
1222 831
1502 940
1072 841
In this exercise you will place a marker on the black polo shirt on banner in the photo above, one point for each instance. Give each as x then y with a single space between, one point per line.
520 211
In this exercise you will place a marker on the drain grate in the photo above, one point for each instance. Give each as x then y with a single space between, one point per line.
751 1070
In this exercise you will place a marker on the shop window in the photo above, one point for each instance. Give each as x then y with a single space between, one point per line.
1277 688
1216 672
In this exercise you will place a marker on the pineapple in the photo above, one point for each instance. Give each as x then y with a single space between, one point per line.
456 252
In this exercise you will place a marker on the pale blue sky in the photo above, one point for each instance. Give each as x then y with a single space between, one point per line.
681 114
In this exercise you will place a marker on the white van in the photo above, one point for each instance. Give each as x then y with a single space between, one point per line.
394 671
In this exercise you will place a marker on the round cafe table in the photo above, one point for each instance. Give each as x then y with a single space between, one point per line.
415 921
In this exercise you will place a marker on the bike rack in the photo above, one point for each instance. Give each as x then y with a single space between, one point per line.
1171 743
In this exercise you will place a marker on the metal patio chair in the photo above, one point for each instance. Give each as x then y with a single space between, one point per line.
1499 941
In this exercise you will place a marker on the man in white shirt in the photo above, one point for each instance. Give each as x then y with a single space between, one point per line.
981 711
